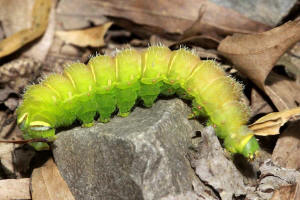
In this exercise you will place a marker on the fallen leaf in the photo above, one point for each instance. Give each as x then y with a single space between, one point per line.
156 39
287 150
11 103
294 65
40 49
255 55
259 104
40 13
8 126
216 27
204 41
161 17
271 123
22 158
5 92
17 74
206 54
61 54
7 159
93 37
3 116
47 183
289 192
15 15
284 92
14 189
291 62
272 177
211 164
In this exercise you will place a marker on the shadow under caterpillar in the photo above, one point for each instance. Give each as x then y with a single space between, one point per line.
107 83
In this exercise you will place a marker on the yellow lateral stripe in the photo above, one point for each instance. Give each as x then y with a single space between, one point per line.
144 66
71 79
245 141
116 68
93 71
20 120
195 69
52 88
39 123
171 61
212 82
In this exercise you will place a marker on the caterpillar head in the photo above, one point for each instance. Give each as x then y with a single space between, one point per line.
251 148
242 143
36 129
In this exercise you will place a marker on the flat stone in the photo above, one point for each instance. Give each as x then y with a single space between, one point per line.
273 177
269 12
142 156
213 167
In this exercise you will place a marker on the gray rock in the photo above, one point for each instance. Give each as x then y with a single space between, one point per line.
213 167
273 177
269 12
142 156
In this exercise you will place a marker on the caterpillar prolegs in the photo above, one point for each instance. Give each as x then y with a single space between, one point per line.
107 83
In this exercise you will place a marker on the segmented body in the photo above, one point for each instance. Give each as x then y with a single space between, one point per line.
107 83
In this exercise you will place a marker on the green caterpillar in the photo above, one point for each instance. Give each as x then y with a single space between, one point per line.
107 83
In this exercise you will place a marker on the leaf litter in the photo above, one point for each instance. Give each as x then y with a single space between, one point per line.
256 54
253 53
47 183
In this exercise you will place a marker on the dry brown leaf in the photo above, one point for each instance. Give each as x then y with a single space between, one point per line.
218 26
14 189
47 183
61 54
287 150
22 158
255 55
4 92
7 125
39 24
3 117
160 16
258 104
291 62
271 123
289 192
93 37
15 15
6 158
285 93
18 73
40 49
11 103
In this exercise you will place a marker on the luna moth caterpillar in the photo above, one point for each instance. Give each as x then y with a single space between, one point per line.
107 83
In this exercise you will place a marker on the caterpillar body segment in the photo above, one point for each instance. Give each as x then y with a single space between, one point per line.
107 83
103 71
